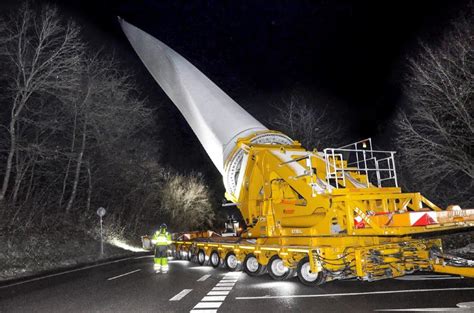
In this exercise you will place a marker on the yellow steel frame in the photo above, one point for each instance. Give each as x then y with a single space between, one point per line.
286 218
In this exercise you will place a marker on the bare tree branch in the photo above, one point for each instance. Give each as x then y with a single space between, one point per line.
436 130
314 125
44 54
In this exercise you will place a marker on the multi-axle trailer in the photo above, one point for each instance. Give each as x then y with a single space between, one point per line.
329 216
314 266
326 215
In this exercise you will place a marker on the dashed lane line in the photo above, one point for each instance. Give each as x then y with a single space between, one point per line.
356 293
66 272
204 277
181 295
118 276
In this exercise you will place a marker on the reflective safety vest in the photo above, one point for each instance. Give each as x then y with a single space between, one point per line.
161 239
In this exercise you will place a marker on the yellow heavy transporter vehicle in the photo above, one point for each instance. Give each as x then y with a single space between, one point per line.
331 214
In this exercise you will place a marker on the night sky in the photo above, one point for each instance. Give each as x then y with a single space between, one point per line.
349 50
348 54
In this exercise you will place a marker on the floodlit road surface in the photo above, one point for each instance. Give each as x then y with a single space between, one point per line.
131 286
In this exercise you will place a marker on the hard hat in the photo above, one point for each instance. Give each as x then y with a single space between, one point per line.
163 225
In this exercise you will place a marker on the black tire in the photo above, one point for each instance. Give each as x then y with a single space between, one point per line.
291 273
201 257
306 277
252 267
189 255
231 262
177 254
276 271
183 255
214 259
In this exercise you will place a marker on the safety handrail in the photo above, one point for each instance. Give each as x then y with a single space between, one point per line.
377 165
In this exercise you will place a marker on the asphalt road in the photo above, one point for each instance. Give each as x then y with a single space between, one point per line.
131 286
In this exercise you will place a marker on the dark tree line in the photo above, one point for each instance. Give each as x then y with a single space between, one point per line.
434 130
436 127
77 133
315 122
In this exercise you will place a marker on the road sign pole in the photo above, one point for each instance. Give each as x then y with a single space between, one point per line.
101 212
101 238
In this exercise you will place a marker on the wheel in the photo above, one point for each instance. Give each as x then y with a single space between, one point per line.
177 254
201 257
189 255
305 275
231 262
252 267
277 269
214 259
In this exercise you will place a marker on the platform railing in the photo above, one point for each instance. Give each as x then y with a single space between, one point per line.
362 166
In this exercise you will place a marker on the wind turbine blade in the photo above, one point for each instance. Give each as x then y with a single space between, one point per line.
216 119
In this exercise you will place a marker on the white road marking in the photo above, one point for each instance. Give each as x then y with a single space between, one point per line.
118 276
461 307
428 277
65 272
181 295
232 274
424 310
222 288
204 277
208 305
225 284
213 298
355 293
466 305
218 293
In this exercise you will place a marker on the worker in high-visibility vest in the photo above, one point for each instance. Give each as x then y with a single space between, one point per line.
161 239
